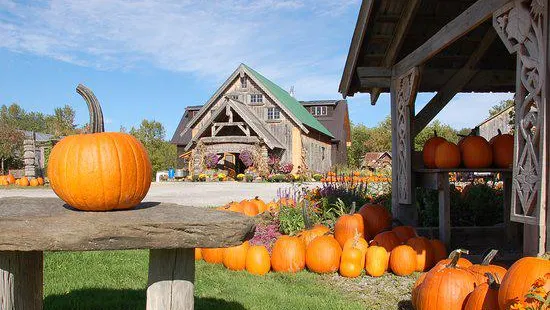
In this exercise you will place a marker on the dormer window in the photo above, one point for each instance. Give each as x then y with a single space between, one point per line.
273 114
243 82
319 111
256 98
234 97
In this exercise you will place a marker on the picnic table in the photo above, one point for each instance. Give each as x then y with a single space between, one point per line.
30 226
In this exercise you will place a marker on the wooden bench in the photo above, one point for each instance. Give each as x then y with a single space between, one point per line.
29 226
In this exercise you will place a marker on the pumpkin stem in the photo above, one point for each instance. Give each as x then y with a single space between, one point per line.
493 280
435 133
489 257
305 215
455 256
499 132
353 206
96 115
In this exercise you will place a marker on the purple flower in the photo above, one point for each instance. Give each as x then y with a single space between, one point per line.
211 160
247 158
266 235
286 168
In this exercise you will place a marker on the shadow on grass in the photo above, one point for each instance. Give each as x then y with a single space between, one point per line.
110 299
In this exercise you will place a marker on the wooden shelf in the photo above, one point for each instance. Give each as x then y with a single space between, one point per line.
463 170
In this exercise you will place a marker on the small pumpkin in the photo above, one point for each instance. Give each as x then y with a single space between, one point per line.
348 225
323 254
428 151
376 261
212 255
480 270
386 239
439 250
360 243
352 262
288 254
24 182
117 163
198 254
484 296
476 152
503 150
40 181
519 278
424 252
260 204
234 207
234 258
376 218
403 260
447 155
249 208
10 178
4 182
404 233
258 261
33 182
309 234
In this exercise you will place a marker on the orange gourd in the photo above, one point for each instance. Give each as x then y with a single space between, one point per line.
403 260
376 261
424 252
10 178
360 243
439 250
480 270
212 255
249 208
234 258
447 155
258 261
503 150
484 296
33 183
198 254
323 255
288 254
476 152
24 182
260 204
404 233
352 261
519 278
117 163
376 218
348 225
428 151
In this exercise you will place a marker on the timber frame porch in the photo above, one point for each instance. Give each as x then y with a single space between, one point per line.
406 47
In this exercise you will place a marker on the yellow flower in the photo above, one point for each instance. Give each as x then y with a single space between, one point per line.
517 306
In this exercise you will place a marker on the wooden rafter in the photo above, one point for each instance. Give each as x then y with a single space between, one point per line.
472 17
454 85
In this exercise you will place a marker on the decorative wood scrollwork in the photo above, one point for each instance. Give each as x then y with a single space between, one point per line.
405 93
522 27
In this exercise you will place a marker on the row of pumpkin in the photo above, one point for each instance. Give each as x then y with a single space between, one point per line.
9 179
471 152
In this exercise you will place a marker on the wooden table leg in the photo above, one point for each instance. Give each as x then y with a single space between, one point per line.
444 207
171 278
21 280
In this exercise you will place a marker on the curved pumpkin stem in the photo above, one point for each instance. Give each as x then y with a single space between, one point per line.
493 280
489 257
305 215
96 115
455 256
499 132
435 133
352 210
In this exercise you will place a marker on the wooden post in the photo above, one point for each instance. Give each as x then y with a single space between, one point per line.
444 207
21 280
171 278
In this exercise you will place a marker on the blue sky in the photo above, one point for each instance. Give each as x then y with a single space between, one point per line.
150 59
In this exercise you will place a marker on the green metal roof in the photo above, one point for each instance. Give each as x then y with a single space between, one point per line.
291 103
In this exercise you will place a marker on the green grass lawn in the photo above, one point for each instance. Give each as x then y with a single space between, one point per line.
117 280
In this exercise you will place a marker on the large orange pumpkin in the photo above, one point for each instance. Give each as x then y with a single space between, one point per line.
99 171
376 261
416 286
484 296
351 263
480 270
24 181
439 250
424 252
387 239
461 261
428 151
503 150
376 218
347 226
445 289
258 261
404 233
288 254
234 258
309 234
212 255
447 155
476 152
323 255
519 278
403 260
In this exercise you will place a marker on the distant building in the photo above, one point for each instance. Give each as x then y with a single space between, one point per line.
501 121
249 112
376 160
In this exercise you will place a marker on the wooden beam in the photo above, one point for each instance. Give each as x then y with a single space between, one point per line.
355 46
405 21
476 14
454 85
373 72
382 82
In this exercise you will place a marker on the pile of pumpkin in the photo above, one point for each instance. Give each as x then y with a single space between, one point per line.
254 206
472 152
6 180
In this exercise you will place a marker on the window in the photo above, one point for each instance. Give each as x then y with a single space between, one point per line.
234 97
243 82
256 98
317 111
322 153
273 113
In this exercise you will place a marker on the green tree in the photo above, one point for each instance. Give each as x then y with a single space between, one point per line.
501 106
360 134
11 143
380 137
443 130
61 123
152 135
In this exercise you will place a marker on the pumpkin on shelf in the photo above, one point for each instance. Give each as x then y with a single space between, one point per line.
404 233
212 255
288 254
519 278
476 152
485 295
258 261
403 260
447 155
428 151
117 162
376 218
348 225
480 270
234 258
323 254
376 261
424 252
503 150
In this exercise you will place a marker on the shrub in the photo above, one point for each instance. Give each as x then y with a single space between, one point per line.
247 158
211 160
317 177
249 177
286 168
266 234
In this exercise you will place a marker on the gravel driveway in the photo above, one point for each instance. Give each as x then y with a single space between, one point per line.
194 194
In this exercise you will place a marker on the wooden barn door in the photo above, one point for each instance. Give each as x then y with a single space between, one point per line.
230 164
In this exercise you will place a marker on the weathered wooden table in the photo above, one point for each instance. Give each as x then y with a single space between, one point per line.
29 226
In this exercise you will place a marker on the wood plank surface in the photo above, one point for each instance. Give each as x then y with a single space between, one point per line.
48 224
21 285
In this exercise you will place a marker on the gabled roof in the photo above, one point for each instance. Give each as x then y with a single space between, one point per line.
247 116
507 110
289 102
